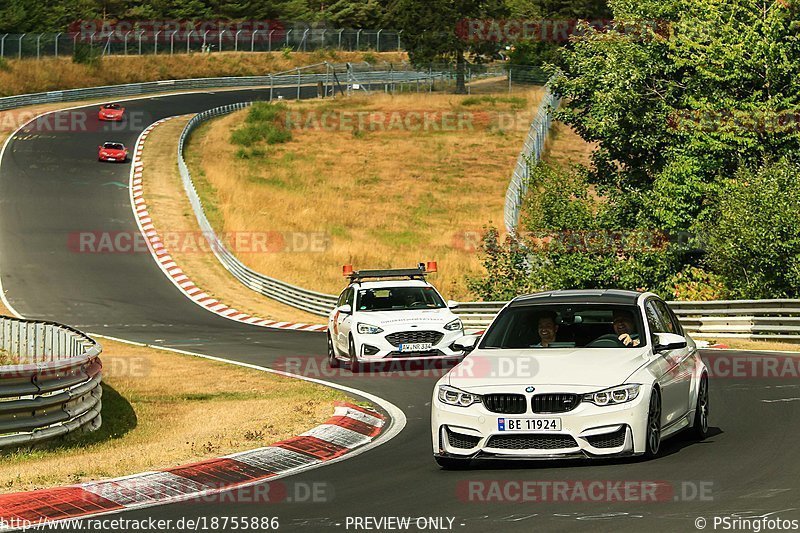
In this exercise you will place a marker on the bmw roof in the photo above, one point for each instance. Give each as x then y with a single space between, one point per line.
606 296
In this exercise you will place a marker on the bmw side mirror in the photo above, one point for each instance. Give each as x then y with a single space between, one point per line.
452 304
466 344
664 342
346 309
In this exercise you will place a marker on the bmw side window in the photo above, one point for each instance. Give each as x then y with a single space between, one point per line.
654 320
666 318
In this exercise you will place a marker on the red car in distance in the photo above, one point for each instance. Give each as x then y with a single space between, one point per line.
111 151
112 112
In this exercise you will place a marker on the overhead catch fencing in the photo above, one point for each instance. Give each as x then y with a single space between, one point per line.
531 154
50 382
175 41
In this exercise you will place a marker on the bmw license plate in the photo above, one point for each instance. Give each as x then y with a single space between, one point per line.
528 424
415 347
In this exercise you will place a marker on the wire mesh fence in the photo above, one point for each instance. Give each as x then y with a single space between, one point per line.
133 42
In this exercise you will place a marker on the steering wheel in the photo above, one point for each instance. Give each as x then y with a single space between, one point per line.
606 341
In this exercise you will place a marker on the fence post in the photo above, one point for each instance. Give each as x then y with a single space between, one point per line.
221 33
340 39
172 43
288 33
3 46
270 40
188 41
298 84
398 40
236 41
378 41
305 41
155 42
19 46
38 44
253 41
358 40
126 42
56 42
322 38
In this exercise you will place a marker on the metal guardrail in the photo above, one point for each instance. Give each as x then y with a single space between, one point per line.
310 75
310 301
54 388
531 154
764 319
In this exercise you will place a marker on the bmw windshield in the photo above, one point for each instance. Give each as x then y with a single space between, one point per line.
566 326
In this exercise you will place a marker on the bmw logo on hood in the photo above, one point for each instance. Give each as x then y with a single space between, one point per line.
530 389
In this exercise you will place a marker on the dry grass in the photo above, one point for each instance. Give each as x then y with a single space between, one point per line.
152 402
385 198
743 344
8 359
565 147
172 214
50 74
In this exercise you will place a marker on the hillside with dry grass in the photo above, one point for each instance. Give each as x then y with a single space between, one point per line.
383 196
51 74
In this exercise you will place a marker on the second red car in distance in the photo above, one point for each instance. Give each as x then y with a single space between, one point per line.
112 112
111 151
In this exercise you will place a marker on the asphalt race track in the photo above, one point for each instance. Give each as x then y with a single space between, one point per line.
51 186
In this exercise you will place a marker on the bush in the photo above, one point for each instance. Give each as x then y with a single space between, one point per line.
5 66
86 54
697 285
264 123
571 239
752 237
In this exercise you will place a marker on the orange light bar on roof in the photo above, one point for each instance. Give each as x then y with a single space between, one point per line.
347 270
431 267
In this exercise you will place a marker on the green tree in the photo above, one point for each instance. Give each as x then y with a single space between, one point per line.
429 30
356 14
752 234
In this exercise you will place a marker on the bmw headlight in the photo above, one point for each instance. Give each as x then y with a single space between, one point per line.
614 395
455 325
459 398
368 329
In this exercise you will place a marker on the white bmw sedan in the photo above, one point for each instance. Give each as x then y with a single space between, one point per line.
565 374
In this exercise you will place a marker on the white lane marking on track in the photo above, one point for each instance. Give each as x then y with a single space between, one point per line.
782 400
397 419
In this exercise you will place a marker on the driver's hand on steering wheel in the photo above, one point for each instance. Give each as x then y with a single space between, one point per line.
626 339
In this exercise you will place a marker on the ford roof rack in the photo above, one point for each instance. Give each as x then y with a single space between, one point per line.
422 270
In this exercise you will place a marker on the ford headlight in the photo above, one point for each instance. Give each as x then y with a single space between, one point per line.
459 398
614 395
455 325
368 329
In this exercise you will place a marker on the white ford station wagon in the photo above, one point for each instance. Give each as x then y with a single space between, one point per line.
392 314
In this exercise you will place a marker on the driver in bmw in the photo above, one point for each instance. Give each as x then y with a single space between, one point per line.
625 329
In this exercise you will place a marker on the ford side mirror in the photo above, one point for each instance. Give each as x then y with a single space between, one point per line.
452 304
346 309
